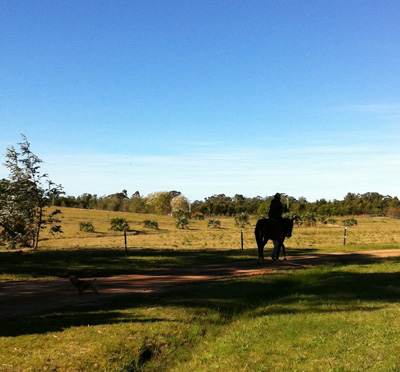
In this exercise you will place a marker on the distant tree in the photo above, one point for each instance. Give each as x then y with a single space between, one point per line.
159 202
24 198
263 209
137 203
180 202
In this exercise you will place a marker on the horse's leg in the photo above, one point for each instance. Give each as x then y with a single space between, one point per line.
260 246
284 251
275 252
278 250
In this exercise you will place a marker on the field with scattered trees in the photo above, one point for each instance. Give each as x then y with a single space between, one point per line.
336 317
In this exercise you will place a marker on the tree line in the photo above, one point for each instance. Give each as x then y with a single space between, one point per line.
165 202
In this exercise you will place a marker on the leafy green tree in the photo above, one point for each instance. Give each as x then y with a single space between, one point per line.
159 202
263 209
24 198
137 203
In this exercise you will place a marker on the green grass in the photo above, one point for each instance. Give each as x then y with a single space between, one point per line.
330 318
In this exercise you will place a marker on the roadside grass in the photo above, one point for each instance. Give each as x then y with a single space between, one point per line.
330 318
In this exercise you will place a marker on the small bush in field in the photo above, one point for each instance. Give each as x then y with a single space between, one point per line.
331 221
181 218
242 219
214 223
350 222
182 222
198 216
150 224
86 226
119 224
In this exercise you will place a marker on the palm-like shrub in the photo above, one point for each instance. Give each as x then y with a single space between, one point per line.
150 224
242 219
214 223
119 224
350 222
86 226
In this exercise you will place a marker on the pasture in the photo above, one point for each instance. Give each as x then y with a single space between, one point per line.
337 317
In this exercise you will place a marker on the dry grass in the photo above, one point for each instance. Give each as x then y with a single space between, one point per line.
370 233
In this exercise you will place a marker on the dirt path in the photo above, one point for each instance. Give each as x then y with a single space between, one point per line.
37 295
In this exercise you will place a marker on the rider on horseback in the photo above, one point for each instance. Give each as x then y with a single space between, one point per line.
275 213
276 209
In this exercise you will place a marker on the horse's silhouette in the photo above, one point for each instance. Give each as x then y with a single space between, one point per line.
268 229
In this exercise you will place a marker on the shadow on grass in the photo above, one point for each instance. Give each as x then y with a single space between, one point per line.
108 262
104 262
320 290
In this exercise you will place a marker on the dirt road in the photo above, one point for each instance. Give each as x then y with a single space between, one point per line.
37 295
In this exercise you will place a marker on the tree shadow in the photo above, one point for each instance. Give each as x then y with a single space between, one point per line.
101 262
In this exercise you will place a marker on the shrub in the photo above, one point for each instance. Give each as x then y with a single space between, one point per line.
350 222
181 218
86 226
119 224
331 221
214 223
309 219
263 209
394 212
150 224
182 222
242 219
198 216
180 213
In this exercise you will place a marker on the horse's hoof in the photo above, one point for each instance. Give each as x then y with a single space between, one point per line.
273 258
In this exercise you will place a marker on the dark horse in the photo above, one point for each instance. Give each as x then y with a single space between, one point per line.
268 229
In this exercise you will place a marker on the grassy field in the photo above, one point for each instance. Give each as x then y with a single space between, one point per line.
102 253
331 318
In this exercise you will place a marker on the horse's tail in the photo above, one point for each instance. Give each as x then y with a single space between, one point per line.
258 233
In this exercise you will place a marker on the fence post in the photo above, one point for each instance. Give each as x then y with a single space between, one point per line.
345 233
241 238
126 246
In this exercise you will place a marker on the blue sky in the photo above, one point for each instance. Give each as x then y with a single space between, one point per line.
205 97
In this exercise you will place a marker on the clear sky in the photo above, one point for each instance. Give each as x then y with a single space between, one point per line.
205 97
